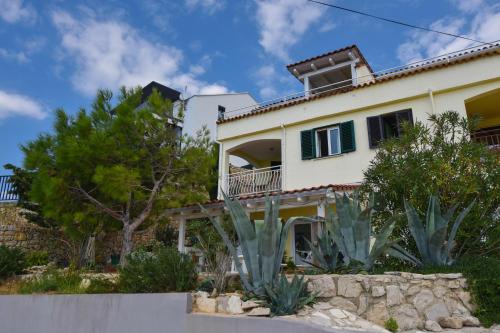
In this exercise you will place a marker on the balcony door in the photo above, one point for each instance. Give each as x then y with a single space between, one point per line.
302 232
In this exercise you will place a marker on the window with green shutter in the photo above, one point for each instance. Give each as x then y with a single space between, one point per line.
387 126
328 140
308 144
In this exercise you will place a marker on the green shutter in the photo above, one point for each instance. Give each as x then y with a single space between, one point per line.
307 143
347 139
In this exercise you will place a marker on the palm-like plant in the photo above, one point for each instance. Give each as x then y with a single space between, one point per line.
350 227
286 298
325 253
433 241
262 243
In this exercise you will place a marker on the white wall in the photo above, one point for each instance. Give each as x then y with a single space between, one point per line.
203 110
451 86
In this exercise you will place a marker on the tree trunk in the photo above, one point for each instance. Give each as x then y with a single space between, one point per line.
127 244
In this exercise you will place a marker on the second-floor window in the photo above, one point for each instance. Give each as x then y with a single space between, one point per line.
328 140
387 126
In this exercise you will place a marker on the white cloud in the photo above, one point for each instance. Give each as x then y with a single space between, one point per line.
19 105
20 56
283 22
272 84
477 20
328 26
209 6
13 11
109 54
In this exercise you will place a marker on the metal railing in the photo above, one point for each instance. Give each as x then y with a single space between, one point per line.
253 181
488 137
6 189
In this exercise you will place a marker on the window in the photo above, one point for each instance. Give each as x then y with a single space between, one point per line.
387 126
327 141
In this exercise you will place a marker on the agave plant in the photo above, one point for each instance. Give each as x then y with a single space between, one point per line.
286 298
325 254
262 243
433 241
350 227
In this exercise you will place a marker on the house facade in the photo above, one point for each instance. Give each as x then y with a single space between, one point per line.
321 140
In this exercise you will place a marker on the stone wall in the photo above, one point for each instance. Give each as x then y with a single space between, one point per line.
413 300
16 231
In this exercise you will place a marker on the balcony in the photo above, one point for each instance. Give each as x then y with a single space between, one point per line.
7 193
253 181
489 137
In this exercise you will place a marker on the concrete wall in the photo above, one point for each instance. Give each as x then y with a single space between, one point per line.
451 86
130 313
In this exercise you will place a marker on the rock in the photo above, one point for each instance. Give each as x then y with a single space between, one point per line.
200 293
450 322
413 290
259 312
247 305
407 317
494 329
394 295
234 305
304 311
456 307
319 318
338 314
423 299
378 291
454 284
322 306
85 283
450 276
377 313
432 326
471 321
342 303
465 297
363 304
207 305
348 287
323 286
439 291
436 311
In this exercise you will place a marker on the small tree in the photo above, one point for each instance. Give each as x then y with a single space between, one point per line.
117 167
440 159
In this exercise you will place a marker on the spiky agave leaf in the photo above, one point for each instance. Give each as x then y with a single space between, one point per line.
418 231
399 252
287 297
454 229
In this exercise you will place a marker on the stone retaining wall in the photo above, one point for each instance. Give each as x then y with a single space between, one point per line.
413 300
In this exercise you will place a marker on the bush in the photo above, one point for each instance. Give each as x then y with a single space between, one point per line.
12 261
53 281
286 298
163 270
37 258
391 325
102 286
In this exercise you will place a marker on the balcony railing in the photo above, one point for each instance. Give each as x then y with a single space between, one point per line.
489 137
254 181
6 189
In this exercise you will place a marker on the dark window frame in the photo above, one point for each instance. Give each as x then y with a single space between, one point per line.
377 135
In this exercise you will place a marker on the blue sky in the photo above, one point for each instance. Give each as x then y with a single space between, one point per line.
58 53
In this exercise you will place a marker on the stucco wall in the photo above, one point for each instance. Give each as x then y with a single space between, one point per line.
451 87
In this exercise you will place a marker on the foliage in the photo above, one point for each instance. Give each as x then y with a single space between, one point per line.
116 167
351 230
431 240
262 243
326 253
53 281
166 234
206 285
37 258
439 159
163 270
286 298
12 261
391 325
101 286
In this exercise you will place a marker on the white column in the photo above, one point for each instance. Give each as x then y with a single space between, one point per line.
354 74
182 235
306 86
223 170
320 212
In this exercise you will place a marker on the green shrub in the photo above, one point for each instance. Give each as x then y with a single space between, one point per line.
37 258
391 325
163 270
102 286
286 298
206 285
12 261
53 281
